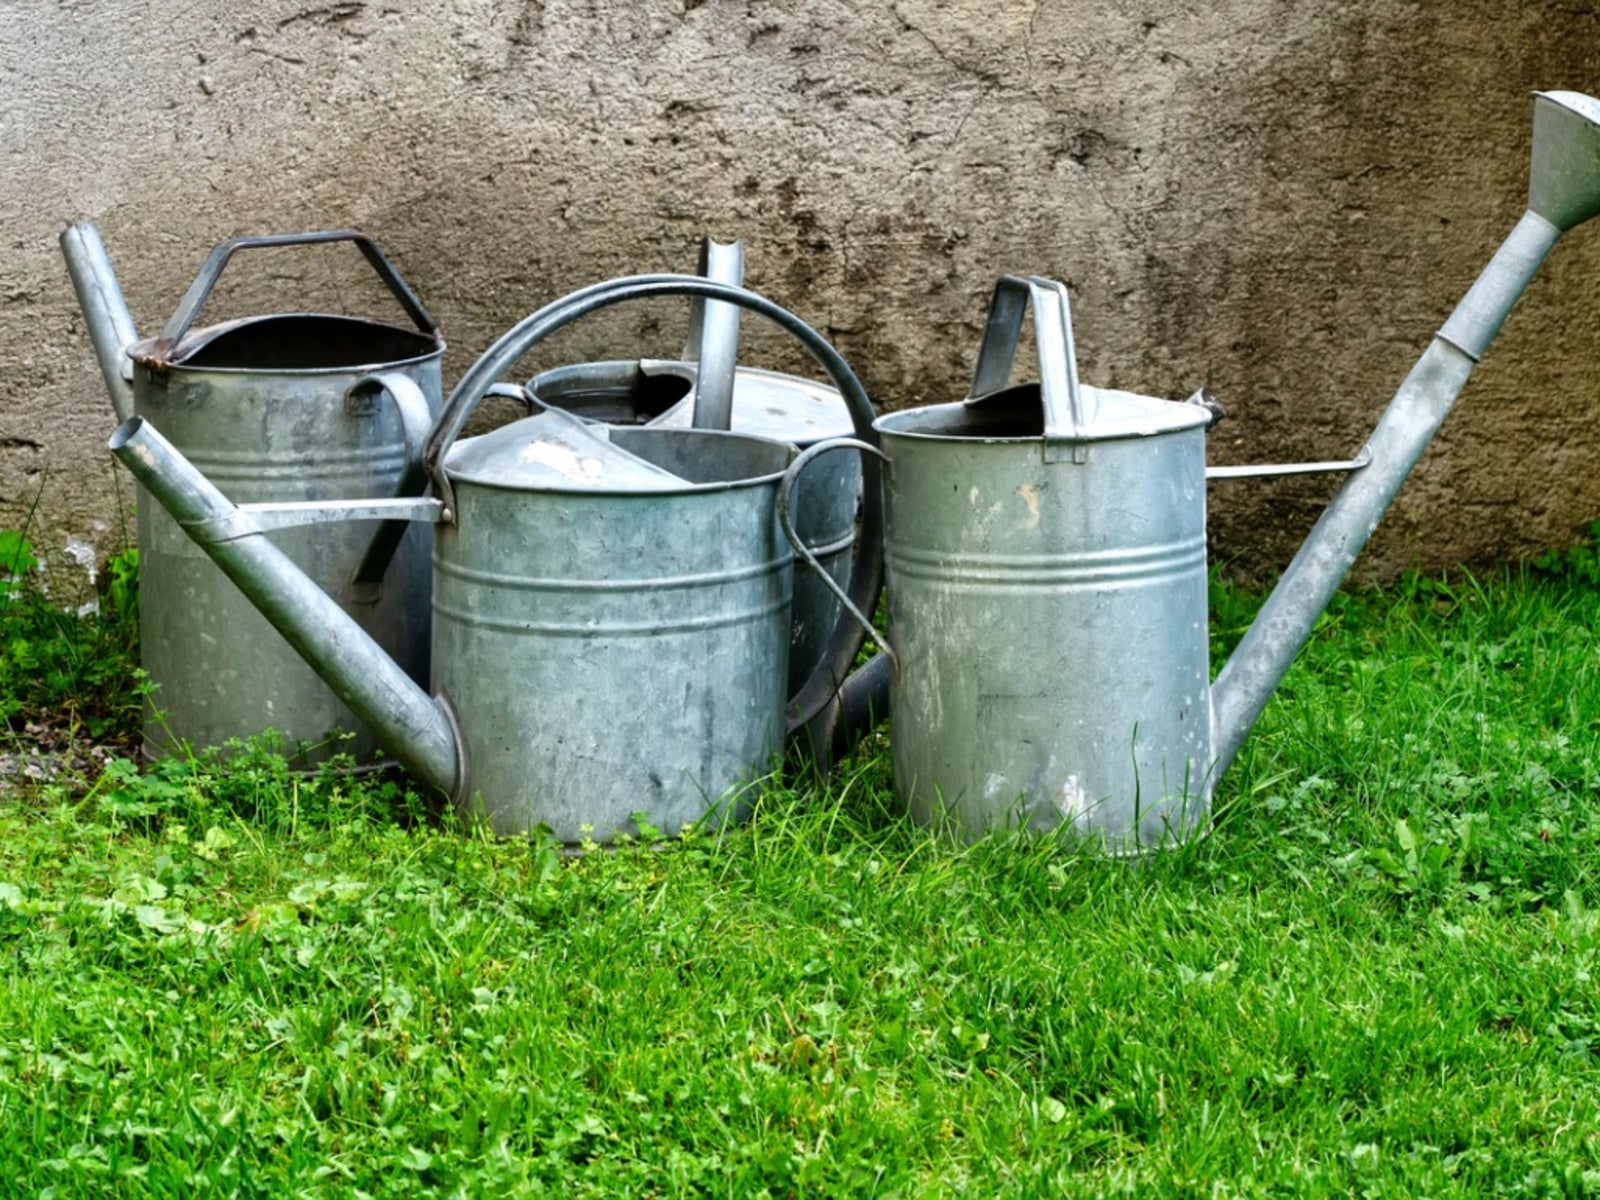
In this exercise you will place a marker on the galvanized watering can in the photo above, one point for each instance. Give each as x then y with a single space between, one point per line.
707 389
1047 657
611 606
296 408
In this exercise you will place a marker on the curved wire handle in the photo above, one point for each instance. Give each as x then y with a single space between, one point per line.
786 519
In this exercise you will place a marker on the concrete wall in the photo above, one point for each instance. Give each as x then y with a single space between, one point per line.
1277 200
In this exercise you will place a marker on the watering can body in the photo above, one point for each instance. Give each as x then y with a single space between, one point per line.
803 413
611 605
1047 602
287 407
609 653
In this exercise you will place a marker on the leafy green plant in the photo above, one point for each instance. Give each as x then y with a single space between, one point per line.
1579 562
60 666
1432 860
17 560
122 588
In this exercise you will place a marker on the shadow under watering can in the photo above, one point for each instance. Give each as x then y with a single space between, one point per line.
611 605
290 408
1047 660
706 388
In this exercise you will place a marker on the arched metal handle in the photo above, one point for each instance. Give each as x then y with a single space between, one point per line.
1064 417
866 569
193 299
786 519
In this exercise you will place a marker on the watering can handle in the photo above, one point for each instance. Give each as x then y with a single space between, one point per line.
786 519
866 571
416 420
189 307
1052 331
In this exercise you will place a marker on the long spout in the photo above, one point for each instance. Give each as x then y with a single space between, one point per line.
106 312
1564 191
416 729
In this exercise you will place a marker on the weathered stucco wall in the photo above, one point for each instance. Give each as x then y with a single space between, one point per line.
1279 201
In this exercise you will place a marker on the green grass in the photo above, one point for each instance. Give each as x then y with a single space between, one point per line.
1378 977
70 671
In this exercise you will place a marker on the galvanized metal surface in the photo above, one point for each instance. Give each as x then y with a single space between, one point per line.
866 570
104 311
1278 470
287 408
617 652
598 655
1046 583
764 404
221 671
707 389
1049 622
420 733
713 338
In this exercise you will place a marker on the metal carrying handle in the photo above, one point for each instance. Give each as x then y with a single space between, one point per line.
1052 332
713 338
416 422
193 299
786 519
866 564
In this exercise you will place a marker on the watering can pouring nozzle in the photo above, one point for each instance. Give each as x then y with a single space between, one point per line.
419 729
1563 192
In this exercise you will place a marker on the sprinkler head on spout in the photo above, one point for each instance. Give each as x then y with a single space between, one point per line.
1564 186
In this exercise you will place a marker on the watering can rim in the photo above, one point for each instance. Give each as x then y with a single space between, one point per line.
683 487
144 352
1579 102
1160 420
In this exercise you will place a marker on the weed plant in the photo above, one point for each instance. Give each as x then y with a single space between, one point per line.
1376 977
68 660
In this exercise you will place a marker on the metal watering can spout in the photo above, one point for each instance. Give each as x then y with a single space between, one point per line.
417 729
1564 191
106 312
